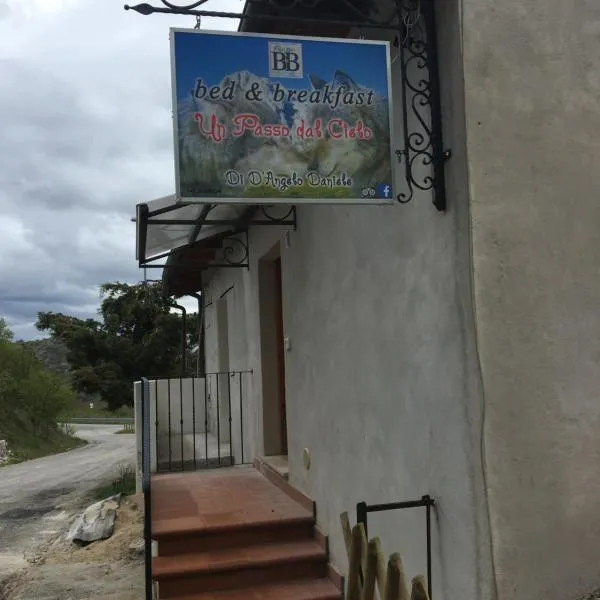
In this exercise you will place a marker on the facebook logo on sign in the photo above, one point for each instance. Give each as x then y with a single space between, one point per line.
285 60
384 191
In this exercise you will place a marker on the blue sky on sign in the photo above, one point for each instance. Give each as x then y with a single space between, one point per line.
211 58
85 116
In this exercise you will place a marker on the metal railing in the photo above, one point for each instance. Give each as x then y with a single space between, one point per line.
146 486
188 423
199 422
363 509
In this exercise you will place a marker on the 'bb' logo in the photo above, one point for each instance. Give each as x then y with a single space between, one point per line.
285 60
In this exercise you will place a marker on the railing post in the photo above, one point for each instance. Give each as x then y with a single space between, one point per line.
146 486
218 422
206 419
194 418
241 420
181 421
169 431
231 460
156 422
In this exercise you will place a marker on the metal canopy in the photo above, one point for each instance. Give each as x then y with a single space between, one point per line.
165 227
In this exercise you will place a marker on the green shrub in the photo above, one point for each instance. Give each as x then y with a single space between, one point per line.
124 483
31 402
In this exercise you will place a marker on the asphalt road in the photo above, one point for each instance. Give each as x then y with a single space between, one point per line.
39 498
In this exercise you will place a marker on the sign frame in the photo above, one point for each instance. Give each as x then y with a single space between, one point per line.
240 200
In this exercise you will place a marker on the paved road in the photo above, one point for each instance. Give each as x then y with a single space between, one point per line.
38 498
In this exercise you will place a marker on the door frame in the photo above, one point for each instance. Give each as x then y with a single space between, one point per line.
271 326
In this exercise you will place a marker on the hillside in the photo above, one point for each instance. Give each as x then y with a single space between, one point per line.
32 400
52 354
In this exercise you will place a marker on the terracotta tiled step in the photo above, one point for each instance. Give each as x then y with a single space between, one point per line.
207 539
238 568
301 589
211 500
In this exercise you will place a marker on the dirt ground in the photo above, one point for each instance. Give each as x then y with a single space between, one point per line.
104 570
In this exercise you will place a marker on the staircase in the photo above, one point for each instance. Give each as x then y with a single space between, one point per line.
275 553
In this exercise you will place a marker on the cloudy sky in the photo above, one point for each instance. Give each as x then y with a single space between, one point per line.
85 134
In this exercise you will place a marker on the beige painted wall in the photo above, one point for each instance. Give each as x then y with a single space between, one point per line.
532 79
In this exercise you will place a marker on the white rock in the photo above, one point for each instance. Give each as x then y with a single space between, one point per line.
97 522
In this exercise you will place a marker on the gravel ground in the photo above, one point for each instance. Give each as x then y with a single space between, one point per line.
38 500
101 581
107 569
39 497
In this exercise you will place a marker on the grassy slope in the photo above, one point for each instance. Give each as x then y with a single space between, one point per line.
25 445
123 483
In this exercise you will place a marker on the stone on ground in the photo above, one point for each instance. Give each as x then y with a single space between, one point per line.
97 522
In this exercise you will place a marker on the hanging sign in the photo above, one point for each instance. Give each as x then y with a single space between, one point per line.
263 119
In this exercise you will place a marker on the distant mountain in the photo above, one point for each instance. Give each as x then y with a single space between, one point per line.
52 354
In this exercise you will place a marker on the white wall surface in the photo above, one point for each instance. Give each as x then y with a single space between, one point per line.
532 80
382 380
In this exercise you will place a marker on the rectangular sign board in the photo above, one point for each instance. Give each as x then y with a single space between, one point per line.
264 119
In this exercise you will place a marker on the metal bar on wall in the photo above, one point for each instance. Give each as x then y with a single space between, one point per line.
146 9
439 155
363 509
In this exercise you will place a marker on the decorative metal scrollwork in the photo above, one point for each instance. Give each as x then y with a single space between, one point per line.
422 154
191 6
235 251
288 218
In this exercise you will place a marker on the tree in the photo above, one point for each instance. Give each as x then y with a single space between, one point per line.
31 397
137 336
6 335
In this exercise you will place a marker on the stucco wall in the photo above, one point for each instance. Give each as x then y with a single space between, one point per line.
532 74
382 379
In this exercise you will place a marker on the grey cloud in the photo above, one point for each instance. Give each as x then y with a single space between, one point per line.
85 134
5 10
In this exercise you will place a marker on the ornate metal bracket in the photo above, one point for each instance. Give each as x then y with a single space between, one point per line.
422 152
234 252
287 218
423 155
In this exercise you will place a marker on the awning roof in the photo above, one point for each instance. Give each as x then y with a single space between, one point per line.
197 237
163 225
